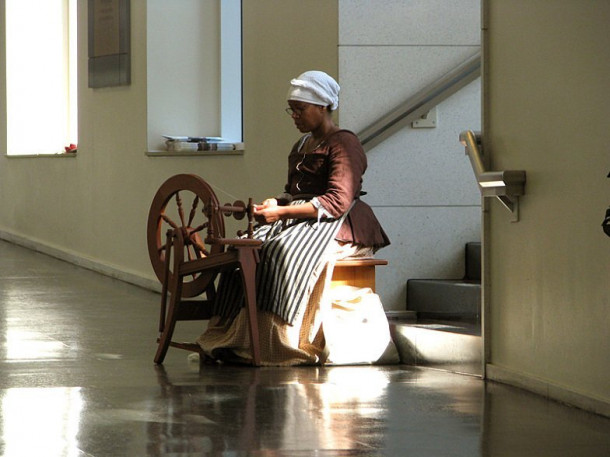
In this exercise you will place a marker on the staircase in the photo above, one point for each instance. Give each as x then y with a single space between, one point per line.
441 326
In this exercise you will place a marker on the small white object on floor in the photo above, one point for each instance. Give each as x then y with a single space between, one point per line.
193 357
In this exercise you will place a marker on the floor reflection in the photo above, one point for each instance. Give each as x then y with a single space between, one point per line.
339 409
29 345
296 409
41 422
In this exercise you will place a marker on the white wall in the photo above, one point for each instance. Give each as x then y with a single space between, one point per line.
183 87
546 281
419 181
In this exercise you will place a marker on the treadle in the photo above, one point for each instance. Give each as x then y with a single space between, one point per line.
193 347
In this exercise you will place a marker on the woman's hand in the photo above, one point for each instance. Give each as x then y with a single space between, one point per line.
267 211
268 203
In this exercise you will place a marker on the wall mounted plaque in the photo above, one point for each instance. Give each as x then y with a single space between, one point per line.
109 43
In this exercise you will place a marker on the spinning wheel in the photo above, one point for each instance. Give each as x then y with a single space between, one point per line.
178 195
187 263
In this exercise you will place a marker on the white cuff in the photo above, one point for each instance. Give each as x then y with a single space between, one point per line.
321 211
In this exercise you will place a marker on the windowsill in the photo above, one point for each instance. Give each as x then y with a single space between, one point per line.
239 149
194 153
30 156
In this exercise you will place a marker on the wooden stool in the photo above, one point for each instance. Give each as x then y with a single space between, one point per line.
356 272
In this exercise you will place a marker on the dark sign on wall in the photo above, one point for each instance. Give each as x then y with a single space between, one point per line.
109 43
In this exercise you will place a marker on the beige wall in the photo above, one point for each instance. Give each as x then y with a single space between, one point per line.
547 287
92 209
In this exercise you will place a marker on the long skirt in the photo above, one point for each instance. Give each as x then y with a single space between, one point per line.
291 259
344 326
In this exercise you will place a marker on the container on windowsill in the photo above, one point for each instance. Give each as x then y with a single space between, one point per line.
218 146
200 145
181 146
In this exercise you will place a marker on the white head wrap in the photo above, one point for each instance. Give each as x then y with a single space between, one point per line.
315 87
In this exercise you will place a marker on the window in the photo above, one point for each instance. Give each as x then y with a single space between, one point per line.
41 86
194 70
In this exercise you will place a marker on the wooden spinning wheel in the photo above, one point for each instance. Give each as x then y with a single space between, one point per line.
186 262
180 204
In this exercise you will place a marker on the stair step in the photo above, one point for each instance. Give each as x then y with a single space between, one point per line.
444 298
402 316
445 332
473 261
446 345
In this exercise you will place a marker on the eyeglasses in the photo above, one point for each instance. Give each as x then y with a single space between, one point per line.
295 111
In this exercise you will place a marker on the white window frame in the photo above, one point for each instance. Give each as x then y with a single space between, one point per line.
194 69
41 76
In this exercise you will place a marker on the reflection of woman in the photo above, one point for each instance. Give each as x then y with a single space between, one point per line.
318 219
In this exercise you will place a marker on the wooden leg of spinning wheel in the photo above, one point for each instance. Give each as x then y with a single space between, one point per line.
168 252
175 291
165 338
248 271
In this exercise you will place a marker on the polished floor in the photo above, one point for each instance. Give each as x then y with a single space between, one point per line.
77 379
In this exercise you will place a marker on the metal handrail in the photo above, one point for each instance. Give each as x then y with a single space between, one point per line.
420 103
506 185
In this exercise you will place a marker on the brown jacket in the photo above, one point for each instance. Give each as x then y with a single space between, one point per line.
333 172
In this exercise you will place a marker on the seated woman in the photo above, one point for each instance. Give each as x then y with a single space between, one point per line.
318 219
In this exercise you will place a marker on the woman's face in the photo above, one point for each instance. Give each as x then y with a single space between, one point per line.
306 116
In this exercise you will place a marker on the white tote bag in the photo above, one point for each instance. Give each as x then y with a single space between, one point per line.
356 328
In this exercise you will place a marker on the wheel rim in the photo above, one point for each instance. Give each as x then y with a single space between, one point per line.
180 203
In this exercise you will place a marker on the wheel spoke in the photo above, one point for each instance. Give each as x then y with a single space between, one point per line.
169 221
189 253
180 210
200 247
193 210
199 228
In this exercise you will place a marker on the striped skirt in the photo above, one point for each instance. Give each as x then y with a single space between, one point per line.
290 254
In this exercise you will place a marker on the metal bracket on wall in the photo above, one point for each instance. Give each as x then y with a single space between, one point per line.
426 121
506 186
